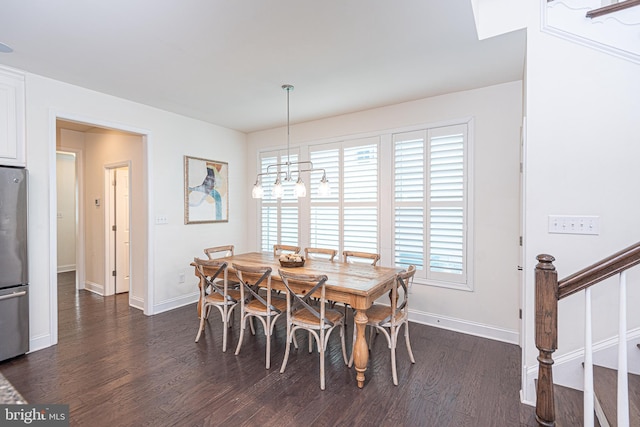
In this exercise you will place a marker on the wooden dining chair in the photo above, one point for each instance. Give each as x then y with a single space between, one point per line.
361 257
320 253
319 321
389 319
254 304
354 257
280 249
219 251
215 293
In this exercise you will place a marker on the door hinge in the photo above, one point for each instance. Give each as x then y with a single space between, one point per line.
113 228
520 240
113 273
520 314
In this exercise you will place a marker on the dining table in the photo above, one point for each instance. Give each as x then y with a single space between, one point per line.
356 284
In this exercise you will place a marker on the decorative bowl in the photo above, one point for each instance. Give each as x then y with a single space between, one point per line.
292 264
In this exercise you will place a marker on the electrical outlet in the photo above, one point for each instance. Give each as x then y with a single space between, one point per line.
569 224
181 277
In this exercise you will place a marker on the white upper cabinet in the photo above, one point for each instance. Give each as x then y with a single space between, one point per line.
12 118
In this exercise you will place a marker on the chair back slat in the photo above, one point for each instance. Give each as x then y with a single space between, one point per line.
219 251
353 256
279 249
210 280
403 280
310 284
252 279
320 253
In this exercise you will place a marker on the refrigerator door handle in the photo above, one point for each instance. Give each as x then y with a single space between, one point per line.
13 295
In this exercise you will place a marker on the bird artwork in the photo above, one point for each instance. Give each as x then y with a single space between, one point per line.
207 201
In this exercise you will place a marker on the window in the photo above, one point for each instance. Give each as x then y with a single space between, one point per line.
348 219
404 195
430 203
279 217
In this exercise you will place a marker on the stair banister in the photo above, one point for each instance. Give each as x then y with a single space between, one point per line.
548 292
546 337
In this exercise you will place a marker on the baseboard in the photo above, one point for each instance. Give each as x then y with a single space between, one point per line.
136 302
66 268
39 342
94 287
465 326
567 368
177 302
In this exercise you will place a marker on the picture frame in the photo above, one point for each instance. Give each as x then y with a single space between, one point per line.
206 191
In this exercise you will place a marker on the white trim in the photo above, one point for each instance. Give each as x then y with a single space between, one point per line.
96 288
54 115
79 228
136 302
39 342
66 268
592 28
464 326
173 303
109 220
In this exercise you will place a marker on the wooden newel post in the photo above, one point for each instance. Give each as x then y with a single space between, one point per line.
546 336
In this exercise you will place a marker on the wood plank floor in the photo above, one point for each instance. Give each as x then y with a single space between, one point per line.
116 367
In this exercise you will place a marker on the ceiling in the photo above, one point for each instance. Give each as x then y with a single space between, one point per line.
224 61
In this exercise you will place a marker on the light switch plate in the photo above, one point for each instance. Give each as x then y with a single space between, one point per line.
573 224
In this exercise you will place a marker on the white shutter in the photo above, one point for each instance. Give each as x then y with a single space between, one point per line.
325 227
348 218
360 197
279 217
446 237
430 213
409 185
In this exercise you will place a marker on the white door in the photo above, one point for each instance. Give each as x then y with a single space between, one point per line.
121 206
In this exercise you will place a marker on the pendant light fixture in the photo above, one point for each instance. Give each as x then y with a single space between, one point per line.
285 172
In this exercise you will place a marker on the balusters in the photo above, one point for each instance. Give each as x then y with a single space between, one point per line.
623 386
588 394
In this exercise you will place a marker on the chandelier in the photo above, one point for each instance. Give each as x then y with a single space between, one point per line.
288 171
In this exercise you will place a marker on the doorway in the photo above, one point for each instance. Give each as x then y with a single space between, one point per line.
117 227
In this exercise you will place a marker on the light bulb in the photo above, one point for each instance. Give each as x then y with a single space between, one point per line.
257 191
300 190
278 191
324 189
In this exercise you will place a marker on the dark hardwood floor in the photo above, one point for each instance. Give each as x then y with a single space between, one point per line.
116 367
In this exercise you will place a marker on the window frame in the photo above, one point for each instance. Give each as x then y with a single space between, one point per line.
386 188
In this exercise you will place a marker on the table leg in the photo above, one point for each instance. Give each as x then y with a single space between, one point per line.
360 349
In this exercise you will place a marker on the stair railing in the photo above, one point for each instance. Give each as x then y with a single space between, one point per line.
548 292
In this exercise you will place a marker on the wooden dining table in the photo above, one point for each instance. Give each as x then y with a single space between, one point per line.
358 285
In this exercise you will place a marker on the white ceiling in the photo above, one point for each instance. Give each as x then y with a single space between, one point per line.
223 61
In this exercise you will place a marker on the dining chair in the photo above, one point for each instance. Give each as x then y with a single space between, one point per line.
253 304
389 319
215 293
361 257
279 249
320 253
219 251
319 321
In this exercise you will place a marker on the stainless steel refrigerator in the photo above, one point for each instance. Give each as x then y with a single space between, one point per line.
14 281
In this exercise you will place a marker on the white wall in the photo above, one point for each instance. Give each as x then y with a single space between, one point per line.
66 211
171 246
492 308
582 154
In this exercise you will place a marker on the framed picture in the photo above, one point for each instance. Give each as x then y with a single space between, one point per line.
206 191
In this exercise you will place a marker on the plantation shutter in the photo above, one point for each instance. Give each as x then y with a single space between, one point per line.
279 217
430 202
